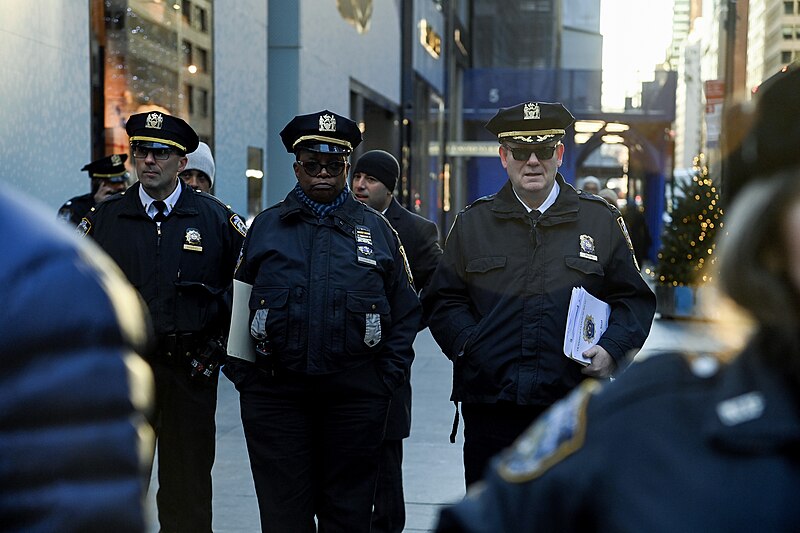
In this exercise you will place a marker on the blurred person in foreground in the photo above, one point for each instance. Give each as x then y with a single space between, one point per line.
108 175
375 176
497 303
200 169
334 315
178 247
703 445
74 440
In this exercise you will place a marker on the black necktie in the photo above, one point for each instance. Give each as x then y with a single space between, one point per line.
160 207
535 214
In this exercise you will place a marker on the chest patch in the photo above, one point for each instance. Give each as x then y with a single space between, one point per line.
557 434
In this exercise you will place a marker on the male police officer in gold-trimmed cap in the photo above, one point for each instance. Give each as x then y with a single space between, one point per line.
178 247
334 315
497 304
108 175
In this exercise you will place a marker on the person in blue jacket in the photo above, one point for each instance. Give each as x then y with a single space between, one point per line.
74 392
334 315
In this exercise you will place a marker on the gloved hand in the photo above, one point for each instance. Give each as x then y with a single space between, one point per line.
204 364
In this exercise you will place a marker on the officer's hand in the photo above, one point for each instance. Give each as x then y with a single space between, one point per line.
603 365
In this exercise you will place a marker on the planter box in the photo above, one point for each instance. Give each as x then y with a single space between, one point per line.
683 301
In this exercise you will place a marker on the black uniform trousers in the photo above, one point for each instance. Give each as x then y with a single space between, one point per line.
185 431
313 442
389 515
491 428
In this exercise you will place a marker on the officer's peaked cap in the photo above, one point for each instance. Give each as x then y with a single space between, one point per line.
110 168
159 130
323 131
531 123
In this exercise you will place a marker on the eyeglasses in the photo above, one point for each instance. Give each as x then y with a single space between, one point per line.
313 168
542 153
140 152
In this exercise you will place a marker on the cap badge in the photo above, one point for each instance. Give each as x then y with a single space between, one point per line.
587 248
532 111
116 160
154 121
327 123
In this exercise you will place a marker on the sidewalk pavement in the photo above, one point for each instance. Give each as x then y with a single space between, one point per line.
433 472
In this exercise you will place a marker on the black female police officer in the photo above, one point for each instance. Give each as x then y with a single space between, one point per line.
335 313
178 247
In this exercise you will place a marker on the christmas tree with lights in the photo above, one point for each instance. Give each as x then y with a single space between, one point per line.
688 242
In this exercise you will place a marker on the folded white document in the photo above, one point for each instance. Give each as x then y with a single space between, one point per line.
240 342
587 320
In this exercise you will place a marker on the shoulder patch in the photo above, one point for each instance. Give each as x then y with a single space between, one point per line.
84 227
238 224
557 434
594 198
624 230
406 265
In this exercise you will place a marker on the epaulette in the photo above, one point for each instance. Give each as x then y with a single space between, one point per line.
233 218
482 199
594 198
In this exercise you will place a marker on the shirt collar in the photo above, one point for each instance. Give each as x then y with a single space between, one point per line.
147 200
550 200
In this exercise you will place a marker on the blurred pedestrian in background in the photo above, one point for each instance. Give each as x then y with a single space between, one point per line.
590 184
75 394
334 315
636 223
676 415
178 247
609 196
375 176
108 175
497 303
199 171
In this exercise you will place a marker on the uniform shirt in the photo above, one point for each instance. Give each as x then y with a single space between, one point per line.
678 443
497 304
184 268
337 289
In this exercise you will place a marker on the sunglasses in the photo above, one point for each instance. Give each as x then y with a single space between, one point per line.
313 168
140 152
542 153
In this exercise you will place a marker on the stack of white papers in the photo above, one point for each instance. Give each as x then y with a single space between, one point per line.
587 320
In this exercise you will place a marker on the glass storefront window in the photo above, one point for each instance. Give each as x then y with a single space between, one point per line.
150 55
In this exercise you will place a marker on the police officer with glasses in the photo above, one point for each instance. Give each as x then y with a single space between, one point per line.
178 247
497 303
334 314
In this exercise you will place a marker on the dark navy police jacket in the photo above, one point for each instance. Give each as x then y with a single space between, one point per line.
184 271
321 285
502 289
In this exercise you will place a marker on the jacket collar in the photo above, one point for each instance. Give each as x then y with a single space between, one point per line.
565 209
185 206
349 212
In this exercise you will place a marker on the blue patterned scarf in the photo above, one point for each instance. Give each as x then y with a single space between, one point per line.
322 210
